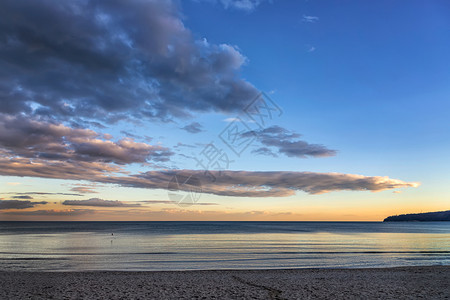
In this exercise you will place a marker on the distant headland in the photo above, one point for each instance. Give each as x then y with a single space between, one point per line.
422 217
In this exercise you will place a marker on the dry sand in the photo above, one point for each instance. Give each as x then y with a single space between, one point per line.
391 283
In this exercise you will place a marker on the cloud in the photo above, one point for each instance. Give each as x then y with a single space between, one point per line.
311 49
84 189
23 197
17 204
52 212
44 193
275 184
106 61
171 202
264 151
194 127
180 145
267 184
98 202
310 19
230 183
287 143
229 120
77 170
22 136
245 5
130 135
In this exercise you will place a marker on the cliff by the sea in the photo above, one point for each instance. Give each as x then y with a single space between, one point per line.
422 217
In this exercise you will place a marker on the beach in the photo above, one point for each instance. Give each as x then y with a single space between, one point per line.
224 260
375 283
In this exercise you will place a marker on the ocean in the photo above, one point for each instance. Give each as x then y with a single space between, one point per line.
151 246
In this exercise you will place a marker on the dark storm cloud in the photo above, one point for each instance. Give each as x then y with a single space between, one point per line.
17 204
112 60
99 202
36 139
194 127
287 143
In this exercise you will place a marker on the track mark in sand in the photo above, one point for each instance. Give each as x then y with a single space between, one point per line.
273 293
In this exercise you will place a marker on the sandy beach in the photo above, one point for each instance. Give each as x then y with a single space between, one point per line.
385 283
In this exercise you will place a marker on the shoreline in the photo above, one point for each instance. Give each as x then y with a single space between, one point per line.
225 270
430 282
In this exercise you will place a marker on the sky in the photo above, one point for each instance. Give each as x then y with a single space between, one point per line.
223 109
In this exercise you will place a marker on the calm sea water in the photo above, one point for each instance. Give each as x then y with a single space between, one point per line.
76 246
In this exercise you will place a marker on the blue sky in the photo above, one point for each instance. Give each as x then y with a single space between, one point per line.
368 80
375 87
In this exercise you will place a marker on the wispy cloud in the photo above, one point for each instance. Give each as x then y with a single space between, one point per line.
245 5
25 197
99 202
229 120
311 49
53 212
264 151
130 135
182 145
43 193
194 127
310 19
84 189
171 202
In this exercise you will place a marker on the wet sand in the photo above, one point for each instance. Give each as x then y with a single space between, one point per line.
385 283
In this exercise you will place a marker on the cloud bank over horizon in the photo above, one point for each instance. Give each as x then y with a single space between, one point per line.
19 204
